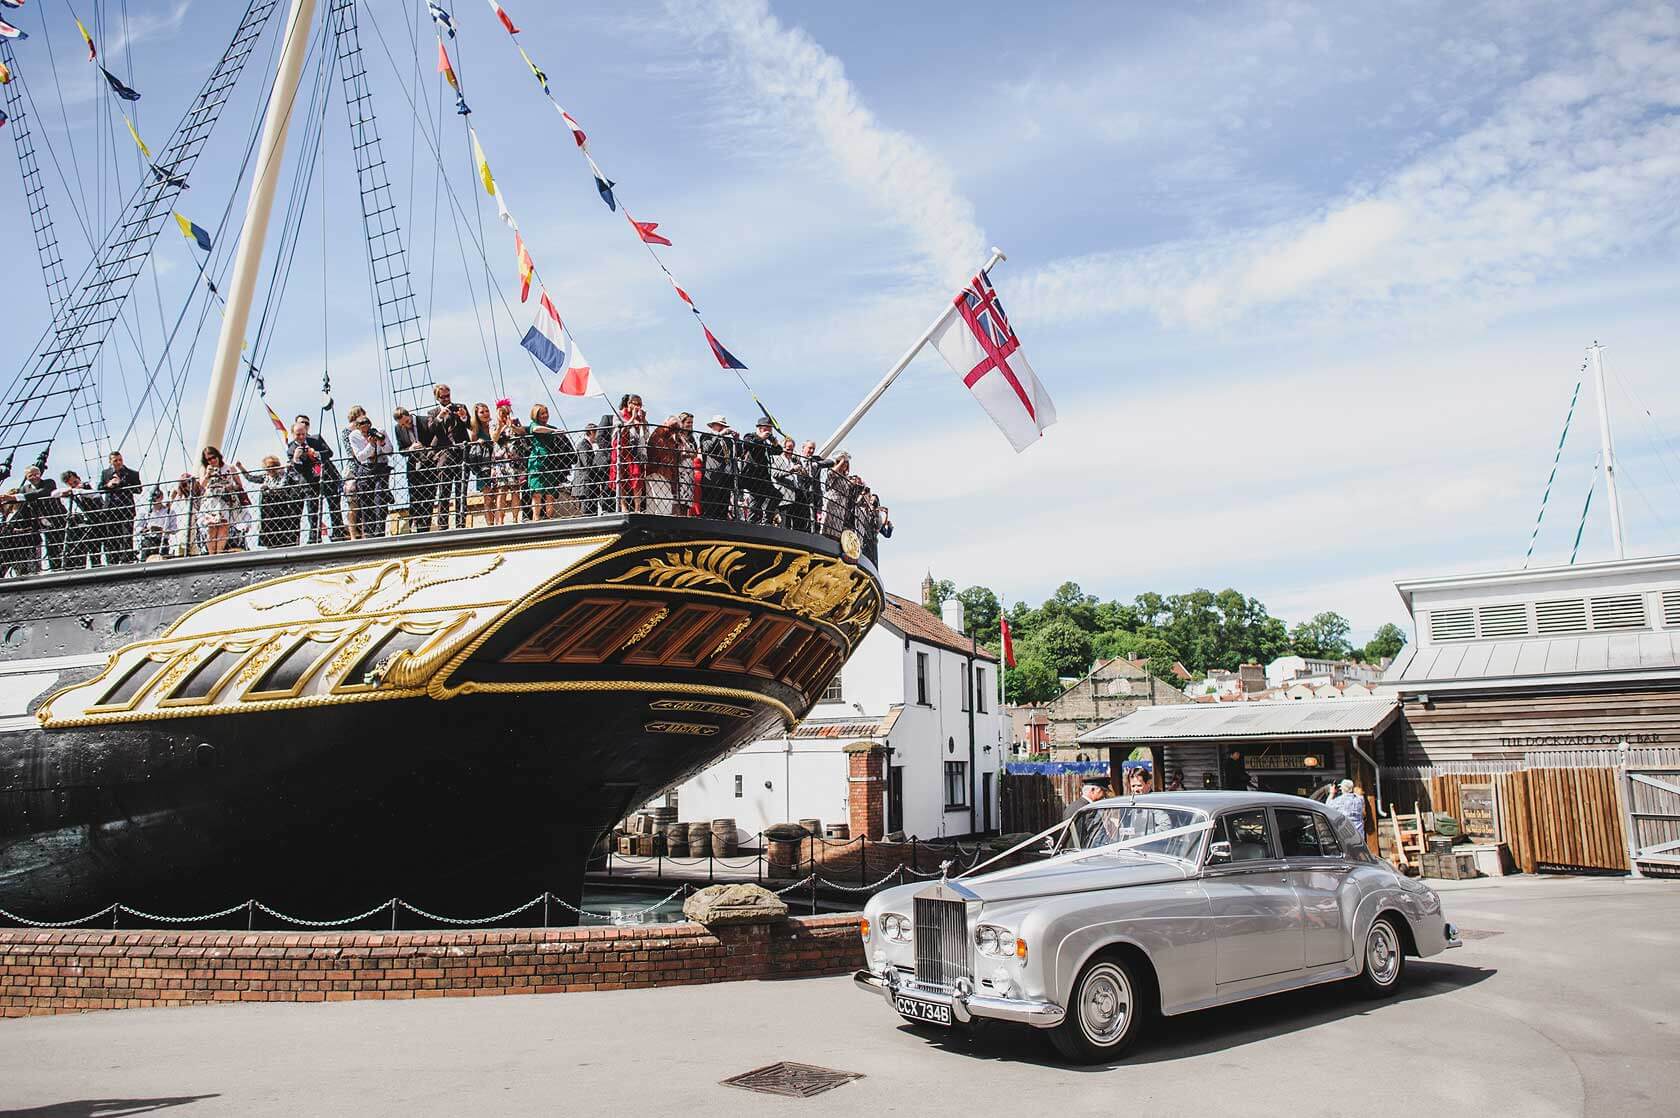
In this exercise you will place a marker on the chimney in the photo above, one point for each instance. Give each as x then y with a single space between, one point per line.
1251 678
952 612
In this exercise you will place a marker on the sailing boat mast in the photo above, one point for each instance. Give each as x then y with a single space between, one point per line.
1608 450
247 261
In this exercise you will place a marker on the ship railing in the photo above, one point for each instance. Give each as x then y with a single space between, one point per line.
406 483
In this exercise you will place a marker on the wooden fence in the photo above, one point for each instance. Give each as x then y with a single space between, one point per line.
1556 811
1033 801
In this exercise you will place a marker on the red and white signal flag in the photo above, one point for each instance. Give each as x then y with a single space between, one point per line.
980 345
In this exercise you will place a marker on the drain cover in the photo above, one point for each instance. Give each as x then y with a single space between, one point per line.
797 1081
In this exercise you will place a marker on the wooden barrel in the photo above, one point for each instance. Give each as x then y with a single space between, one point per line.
840 831
699 840
676 840
812 826
723 838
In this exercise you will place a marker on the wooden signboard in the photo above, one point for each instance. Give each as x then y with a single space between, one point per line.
1478 809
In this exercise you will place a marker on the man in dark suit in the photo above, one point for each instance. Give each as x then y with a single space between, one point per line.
417 468
84 509
719 463
757 449
119 486
446 430
309 466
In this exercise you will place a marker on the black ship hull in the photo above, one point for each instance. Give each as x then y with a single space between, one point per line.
450 720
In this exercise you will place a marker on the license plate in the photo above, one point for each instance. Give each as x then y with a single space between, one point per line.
918 1010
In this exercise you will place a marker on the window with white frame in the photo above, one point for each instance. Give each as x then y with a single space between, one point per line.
922 679
980 689
737 786
832 693
967 691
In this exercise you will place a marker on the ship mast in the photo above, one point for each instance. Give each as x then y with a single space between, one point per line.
248 260
1608 450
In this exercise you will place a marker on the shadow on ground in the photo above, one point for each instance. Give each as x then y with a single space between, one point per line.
102 1108
1211 1030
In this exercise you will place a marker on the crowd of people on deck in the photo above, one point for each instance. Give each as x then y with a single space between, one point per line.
459 466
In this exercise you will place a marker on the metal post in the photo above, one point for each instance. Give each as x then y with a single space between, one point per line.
393 914
1609 451
545 909
250 914
247 264
863 859
898 367
813 891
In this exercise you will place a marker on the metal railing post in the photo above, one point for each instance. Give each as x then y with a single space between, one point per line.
813 891
393 914
863 860
250 914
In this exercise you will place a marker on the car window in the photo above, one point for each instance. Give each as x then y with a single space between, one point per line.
1246 832
1299 834
1327 840
1129 822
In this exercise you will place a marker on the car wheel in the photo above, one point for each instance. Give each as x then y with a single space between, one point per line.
1109 1000
1385 959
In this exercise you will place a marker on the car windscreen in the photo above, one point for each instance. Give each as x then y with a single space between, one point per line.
1100 826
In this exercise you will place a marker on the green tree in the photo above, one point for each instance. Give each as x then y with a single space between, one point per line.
1322 637
981 611
1031 680
1114 642
1064 646
1387 641
1157 656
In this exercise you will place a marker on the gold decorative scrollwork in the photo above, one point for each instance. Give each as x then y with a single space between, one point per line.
647 626
723 645
347 654
335 593
678 569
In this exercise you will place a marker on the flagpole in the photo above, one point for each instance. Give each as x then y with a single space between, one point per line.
899 366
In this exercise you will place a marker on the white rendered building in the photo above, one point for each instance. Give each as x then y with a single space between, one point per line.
910 737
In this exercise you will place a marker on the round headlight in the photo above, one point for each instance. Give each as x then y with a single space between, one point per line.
986 939
895 927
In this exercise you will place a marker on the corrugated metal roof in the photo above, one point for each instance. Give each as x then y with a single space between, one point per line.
1537 658
1294 718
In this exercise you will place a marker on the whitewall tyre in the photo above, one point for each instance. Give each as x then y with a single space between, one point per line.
1108 1003
1384 958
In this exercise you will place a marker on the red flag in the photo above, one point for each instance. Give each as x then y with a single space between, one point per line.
1008 645
507 20
681 294
645 230
526 267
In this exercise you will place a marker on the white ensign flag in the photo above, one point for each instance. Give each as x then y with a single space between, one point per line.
979 344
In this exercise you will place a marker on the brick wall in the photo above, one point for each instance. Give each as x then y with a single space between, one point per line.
866 808
63 971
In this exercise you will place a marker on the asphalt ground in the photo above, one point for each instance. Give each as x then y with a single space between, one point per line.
1564 1000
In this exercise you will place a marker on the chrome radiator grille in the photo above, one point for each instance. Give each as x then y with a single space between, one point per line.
941 941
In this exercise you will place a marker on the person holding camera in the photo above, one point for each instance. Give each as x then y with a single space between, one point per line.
372 450
310 468
446 431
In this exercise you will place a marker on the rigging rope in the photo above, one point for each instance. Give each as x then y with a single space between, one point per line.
1581 526
1546 496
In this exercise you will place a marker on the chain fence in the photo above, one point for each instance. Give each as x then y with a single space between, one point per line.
814 883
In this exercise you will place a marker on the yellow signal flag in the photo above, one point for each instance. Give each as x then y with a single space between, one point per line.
141 144
483 164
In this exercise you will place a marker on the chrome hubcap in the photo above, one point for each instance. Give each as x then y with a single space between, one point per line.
1382 954
1105 1004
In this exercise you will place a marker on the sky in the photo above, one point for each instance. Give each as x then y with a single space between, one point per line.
1311 285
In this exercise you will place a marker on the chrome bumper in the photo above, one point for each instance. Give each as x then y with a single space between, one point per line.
964 1006
1451 932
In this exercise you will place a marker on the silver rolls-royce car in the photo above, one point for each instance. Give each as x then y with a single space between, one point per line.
1163 903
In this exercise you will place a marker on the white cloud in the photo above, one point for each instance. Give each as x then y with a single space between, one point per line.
1577 164
793 82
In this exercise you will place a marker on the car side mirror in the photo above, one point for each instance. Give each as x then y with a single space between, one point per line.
1219 853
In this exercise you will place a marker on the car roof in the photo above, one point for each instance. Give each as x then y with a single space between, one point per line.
1211 801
